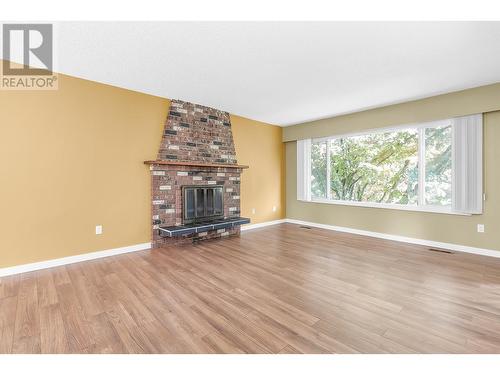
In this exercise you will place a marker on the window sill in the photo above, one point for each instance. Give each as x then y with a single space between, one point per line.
431 209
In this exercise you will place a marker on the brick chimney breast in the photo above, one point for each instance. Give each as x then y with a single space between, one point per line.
195 133
200 135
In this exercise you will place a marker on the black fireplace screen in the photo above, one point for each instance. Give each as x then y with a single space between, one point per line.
202 203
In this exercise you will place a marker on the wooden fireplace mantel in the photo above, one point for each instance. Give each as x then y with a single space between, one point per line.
195 164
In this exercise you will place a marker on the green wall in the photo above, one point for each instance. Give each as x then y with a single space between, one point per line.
455 229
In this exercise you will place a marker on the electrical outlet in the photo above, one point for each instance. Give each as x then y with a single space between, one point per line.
274 208
253 211
98 229
480 228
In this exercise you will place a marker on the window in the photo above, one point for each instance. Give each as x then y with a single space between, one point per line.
318 170
409 167
379 167
437 158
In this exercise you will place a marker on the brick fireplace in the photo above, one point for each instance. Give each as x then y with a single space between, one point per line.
197 149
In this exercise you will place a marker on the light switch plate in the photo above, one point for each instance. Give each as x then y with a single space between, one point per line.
98 229
480 228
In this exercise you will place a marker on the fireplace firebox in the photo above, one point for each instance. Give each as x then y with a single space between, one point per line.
202 203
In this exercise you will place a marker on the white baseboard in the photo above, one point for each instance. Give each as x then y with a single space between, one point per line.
72 259
101 254
261 225
147 245
393 237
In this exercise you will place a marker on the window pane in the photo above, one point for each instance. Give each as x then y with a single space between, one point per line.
218 201
318 170
200 202
379 167
438 166
210 202
189 203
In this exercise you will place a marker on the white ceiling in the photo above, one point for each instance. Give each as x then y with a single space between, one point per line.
283 73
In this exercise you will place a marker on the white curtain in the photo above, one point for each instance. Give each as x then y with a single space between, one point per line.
304 170
468 164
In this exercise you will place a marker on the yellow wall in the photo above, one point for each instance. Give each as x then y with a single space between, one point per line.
72 159
454 229
262 186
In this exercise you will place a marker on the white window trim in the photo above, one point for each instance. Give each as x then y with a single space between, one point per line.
421 207
468 191
423 125
421 166
304 170
402 207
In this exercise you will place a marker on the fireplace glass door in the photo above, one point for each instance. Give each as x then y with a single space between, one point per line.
202 203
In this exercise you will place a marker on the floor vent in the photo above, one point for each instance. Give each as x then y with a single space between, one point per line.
440 251
304 227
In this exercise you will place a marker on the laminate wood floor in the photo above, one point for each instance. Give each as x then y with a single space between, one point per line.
281 289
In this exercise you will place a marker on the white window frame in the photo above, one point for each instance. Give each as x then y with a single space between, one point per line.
421 206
